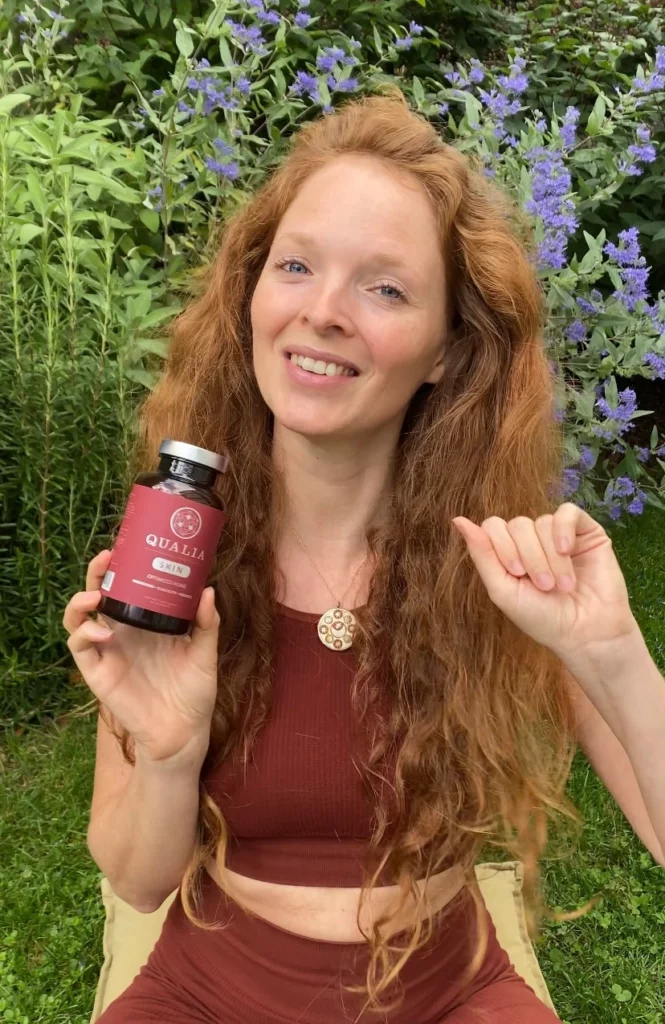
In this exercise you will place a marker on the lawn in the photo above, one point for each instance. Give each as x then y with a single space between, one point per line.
605 968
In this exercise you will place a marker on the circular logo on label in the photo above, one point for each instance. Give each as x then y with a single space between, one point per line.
186 522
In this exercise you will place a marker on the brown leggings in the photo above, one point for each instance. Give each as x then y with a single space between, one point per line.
254 972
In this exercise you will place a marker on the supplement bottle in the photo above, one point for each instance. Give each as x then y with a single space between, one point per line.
167 542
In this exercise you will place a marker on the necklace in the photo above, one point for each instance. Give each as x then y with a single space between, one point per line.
336 626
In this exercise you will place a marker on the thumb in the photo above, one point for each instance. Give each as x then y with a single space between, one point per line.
206 624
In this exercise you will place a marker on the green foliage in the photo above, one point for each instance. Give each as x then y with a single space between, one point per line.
112 185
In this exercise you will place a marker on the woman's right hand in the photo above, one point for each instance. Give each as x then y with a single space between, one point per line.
161 688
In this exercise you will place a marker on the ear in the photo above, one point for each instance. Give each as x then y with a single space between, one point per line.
435 374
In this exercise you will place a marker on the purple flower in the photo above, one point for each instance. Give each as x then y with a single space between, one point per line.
302 19
185 108
567 129
443 109
325 62
634 272
646 152
415 29
223 147
159 92
346 85
455 78
576 331
570 482
477 73
230 170
586 459
657 364
156 191
55 15
656 80
306 82
516 81
551 183
249 36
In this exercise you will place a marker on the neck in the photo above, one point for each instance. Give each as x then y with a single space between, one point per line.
335 491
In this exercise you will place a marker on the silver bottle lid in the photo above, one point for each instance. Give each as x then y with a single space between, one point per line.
190 452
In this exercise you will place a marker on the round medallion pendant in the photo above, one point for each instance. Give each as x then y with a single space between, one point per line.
336 629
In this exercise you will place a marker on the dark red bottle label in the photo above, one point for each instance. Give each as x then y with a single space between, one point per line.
163 552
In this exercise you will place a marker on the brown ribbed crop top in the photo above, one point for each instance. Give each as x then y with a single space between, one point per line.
301 816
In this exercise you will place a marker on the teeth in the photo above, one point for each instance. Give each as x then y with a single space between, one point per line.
321 367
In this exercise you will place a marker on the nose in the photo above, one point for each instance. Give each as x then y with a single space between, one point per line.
327 308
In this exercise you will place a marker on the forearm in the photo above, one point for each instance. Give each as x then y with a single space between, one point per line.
628 690
143 840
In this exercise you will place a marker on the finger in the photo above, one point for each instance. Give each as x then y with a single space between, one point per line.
97 567
205 630
536 548
561 566
83 643
79 608
565 526
504 545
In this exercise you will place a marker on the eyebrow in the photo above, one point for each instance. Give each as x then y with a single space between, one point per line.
386 258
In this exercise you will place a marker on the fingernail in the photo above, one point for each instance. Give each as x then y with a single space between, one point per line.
516 568
544 579
566 582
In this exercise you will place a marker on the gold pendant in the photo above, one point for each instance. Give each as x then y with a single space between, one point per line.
336 628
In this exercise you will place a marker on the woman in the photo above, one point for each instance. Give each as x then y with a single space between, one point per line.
367 348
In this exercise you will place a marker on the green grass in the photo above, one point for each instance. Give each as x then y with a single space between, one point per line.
605 968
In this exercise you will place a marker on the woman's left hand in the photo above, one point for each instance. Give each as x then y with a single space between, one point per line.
584 618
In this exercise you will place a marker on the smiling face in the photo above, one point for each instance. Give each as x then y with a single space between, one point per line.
355 273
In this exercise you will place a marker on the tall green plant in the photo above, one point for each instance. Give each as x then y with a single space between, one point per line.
76 297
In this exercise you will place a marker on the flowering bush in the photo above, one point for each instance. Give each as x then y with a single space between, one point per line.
104 217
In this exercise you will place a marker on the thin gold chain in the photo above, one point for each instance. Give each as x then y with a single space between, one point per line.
339 603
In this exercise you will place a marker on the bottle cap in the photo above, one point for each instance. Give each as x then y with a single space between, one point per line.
190 452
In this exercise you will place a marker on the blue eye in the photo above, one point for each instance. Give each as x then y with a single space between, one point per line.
400 293
288 261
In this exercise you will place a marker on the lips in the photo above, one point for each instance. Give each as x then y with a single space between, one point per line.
326 357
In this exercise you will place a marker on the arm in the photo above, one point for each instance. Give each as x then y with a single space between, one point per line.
609 759
143 822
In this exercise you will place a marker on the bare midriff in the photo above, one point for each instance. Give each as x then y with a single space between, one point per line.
330 914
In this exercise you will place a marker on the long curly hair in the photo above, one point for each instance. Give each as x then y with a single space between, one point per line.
481 726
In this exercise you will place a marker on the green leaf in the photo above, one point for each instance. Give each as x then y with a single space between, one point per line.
11 100
184 42
27 232
86 176
596 116
150 218
35 191
418 91
158 346
659 236
324 92
157 315
225 53
377 39
43 140
590 261
148 379
280 82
